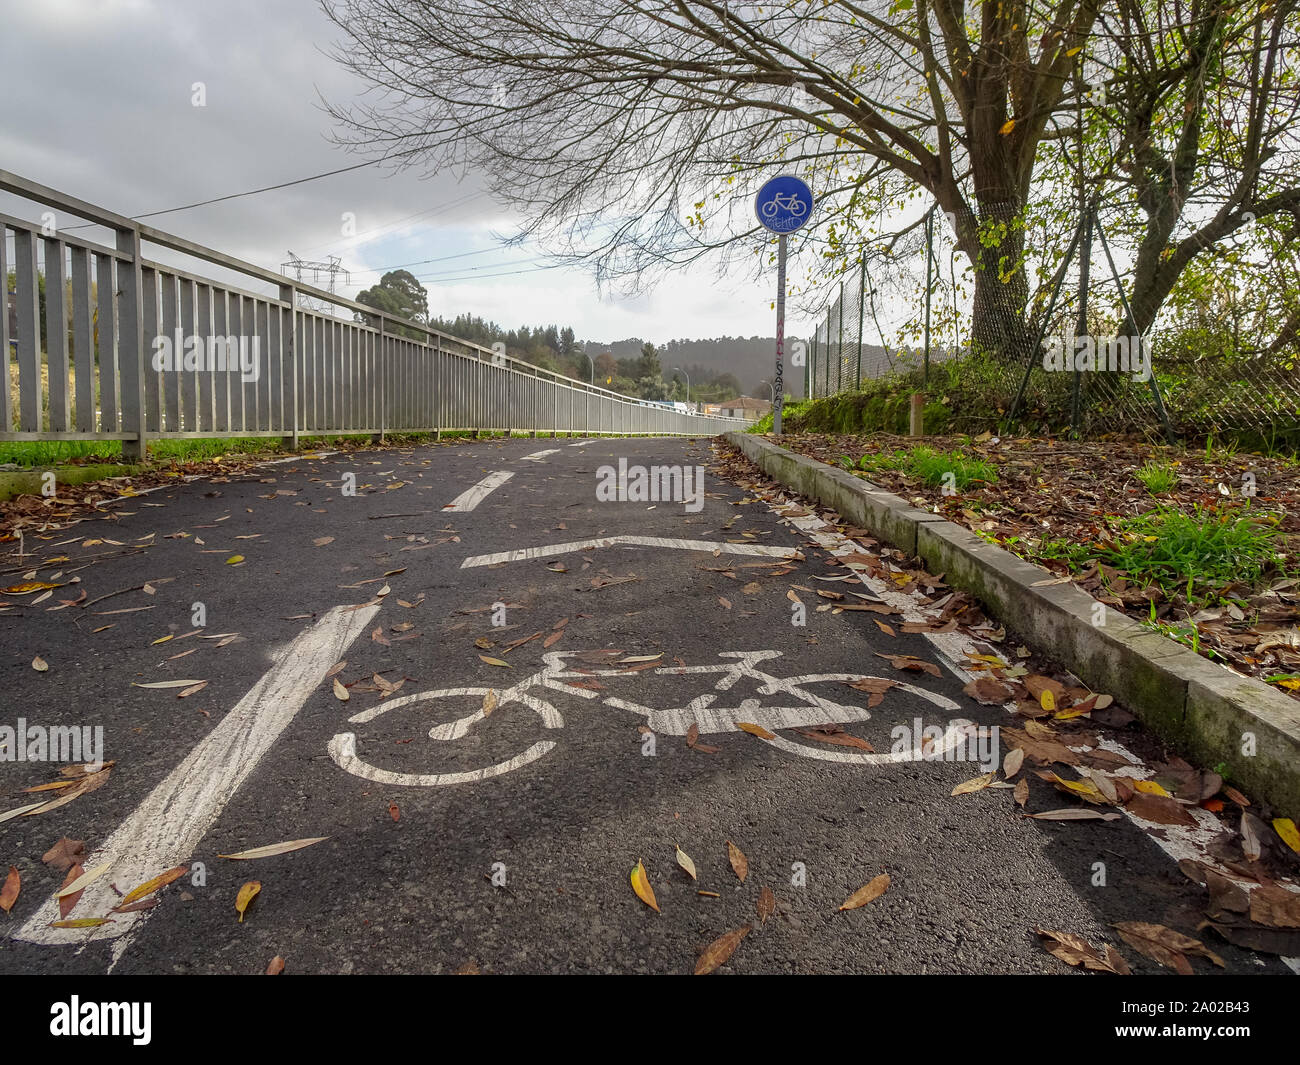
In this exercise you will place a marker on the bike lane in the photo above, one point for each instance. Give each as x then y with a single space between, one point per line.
528 870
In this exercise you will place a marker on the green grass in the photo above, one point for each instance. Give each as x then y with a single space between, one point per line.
791 408
1157 477
935 468
1195 555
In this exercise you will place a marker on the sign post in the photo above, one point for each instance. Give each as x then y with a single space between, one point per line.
782 206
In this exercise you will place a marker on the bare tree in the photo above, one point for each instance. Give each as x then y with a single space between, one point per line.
631 133
618 127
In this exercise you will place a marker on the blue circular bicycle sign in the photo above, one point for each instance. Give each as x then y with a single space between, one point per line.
784 204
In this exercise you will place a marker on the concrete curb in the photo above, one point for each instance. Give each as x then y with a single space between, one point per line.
1205 710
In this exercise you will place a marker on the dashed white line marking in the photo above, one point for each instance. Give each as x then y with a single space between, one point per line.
537 456
472 497
712 546
167 827
582 443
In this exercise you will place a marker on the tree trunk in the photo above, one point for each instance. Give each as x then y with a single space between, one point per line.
998 325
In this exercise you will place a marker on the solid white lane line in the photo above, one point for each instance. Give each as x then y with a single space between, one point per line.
712 546
167 827
475 495
537 456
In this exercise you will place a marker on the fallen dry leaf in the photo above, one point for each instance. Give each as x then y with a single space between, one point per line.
150 886
1164 945
977 784
766 904
641 885
12 886
1286 830
722 948
273 849
68 902
988 690
64 854
867 893
1075 950
246 895
739 863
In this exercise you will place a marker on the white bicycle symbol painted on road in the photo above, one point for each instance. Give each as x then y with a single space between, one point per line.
811 710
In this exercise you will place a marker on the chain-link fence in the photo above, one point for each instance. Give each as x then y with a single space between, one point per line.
1066 363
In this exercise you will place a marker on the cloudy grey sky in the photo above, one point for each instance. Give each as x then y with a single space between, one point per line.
97 102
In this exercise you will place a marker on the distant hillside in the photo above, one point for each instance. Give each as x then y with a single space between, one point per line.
749 359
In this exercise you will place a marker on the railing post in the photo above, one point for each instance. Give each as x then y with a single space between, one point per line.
378 437
131 350
289 441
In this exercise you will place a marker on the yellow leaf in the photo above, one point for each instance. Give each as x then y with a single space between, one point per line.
1085 789
1151 788
754 730
82 922
162 639
27 587
246 895
978 784
641 885
684 860
150 886
867 893
494 661
234 560
489 702
1047 700
1075 51
1285 828
1007 126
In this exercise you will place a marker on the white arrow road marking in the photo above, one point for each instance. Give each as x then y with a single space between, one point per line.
537 456
472 497
637 541
167 827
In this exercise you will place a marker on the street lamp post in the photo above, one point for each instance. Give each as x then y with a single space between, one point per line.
679 370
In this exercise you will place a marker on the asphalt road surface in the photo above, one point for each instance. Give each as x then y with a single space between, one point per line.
504 842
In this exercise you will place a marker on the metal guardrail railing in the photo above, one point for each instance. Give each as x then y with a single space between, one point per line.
112 345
